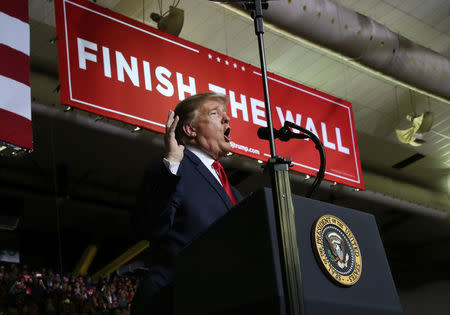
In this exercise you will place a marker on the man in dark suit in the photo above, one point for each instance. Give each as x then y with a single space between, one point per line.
183 192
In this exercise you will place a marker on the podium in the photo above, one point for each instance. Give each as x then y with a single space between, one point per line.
234 267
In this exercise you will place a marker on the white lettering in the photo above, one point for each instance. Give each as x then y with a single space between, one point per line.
242 106
132 71
185 88
147 76
289 117
310 126
341 148
83 55
258 112
217 89
106 62
163 75
326 143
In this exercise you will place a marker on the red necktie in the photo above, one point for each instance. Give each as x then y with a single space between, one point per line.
224 180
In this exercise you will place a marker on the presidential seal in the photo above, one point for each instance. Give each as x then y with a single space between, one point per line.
336 250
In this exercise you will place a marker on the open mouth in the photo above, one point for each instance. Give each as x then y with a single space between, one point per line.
226 134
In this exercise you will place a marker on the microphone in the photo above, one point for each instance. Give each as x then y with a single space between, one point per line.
263 133
284 134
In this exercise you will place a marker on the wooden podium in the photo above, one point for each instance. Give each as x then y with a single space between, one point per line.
234 268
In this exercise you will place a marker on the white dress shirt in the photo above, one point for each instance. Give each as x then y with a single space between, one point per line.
204 157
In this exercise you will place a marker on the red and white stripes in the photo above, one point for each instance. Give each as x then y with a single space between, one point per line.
15 99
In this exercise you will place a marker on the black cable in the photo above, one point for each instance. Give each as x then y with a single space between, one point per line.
286 134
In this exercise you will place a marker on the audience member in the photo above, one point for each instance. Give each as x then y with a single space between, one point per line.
23 291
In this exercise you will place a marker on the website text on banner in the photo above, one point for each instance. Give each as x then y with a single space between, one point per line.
120 68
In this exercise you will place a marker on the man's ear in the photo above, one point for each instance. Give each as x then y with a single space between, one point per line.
189 131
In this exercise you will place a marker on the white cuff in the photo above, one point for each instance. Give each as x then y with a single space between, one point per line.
171 166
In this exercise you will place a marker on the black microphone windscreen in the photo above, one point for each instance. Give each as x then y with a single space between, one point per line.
264 133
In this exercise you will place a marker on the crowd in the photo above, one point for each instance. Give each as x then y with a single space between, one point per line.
46 292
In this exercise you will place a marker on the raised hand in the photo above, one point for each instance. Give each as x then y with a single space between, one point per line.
174 151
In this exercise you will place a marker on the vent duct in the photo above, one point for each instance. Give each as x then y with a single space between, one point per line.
363 40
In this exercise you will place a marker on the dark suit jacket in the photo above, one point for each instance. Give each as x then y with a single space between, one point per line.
176 209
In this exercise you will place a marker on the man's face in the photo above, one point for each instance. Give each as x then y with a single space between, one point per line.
212 128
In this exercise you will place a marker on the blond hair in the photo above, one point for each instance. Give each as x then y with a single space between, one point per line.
187 109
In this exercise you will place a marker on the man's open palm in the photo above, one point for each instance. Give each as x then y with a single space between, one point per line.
174 151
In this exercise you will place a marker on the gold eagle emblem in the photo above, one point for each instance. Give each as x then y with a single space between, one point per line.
338 249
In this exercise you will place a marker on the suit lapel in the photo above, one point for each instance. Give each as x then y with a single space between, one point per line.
201 168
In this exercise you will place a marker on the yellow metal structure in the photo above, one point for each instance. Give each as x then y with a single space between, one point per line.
85 260
121 260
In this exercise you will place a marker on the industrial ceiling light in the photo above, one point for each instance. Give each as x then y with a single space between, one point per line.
170 22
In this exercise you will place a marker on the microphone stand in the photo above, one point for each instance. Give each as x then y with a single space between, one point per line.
281 189
285 134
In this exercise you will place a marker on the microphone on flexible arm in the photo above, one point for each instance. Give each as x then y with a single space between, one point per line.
284 134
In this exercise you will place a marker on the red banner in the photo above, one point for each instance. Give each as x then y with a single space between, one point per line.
117 67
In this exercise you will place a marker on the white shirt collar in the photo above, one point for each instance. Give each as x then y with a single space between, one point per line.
206 159
202 155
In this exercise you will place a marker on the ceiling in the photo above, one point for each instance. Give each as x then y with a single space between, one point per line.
99 161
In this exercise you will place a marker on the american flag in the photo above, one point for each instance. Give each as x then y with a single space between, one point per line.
15 98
